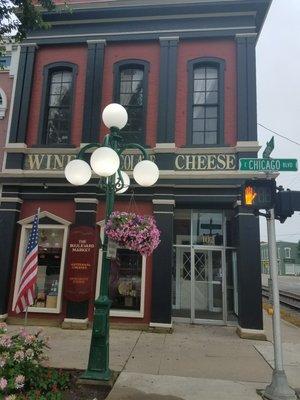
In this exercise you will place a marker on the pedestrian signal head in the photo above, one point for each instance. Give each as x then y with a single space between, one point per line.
259 194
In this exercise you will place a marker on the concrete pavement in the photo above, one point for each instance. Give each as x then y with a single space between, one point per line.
196 361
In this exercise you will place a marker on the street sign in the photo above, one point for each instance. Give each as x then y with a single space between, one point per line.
269 148
268 164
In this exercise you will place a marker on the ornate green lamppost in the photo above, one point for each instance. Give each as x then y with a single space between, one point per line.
105 162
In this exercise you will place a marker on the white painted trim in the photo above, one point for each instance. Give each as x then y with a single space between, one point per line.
163 212
229 28
121 313
15 146
76 320
9 209
159 325
86 211
163 201
21 256
11 200
44 214
162 38
85 200
96 41
170 146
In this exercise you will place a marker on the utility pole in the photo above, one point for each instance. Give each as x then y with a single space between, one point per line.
279 388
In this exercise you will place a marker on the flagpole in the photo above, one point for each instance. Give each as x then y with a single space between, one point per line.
26 312
26 315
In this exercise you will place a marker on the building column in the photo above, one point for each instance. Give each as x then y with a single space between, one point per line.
249 275
246 87
77 312
161 307
93 91
9 215
167 89
22 97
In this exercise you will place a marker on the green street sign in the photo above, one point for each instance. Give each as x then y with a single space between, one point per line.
268 164
269 148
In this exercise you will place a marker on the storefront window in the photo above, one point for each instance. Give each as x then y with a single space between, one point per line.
126 280
207 228
50 261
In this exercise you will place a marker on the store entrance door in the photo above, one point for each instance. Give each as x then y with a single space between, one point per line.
198 284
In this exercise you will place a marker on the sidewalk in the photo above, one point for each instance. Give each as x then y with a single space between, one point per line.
196 361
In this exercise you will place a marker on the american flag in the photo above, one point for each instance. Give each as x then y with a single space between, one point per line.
27 283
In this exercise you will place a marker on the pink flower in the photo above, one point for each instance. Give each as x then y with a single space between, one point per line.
19 356
19 381
2 362
3 383
5 341
29 353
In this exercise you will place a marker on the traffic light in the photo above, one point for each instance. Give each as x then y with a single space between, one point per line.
259 194
284 204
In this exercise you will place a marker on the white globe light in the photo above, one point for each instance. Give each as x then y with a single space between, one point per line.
115 115
78 172
146 173
126 181
105 161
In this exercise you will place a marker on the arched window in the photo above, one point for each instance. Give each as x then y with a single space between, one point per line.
3 103
206 102
130 90
56 114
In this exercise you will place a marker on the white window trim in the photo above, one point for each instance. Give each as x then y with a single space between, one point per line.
3 107
21 256
121 313
289 252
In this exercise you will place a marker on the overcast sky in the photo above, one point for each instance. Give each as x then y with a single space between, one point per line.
278 91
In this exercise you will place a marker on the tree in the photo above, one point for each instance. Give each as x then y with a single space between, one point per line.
19 17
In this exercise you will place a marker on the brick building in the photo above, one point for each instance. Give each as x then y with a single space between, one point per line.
185 71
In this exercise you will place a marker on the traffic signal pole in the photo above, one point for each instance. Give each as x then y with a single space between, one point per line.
279 388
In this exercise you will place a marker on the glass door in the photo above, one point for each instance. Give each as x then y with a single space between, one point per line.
207 285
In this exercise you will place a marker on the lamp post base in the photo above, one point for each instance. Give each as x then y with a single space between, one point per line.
98 365
279 389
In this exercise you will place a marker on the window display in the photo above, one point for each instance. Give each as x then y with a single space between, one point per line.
49 267
125 280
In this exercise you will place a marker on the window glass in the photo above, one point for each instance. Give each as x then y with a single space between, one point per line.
49 266
5 62
287 252
131 92
59 107
182 227
205 105
126 280
207 228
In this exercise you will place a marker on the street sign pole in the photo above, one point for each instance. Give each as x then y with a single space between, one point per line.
279 388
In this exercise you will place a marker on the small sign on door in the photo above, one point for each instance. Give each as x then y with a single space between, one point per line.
111 249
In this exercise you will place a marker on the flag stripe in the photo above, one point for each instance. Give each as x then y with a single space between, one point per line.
26 291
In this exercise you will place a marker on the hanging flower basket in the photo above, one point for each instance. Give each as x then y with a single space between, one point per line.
133 231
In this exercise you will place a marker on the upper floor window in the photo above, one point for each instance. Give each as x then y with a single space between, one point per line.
131 78
56 115
287 252
5 62
206 92
3 103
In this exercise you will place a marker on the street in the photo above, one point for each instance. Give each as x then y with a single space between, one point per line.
286 283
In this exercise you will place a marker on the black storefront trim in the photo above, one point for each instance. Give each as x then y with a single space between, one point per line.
93 91
22 94
167 90
246 89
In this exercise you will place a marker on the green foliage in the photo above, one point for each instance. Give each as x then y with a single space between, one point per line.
22 374
29 13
